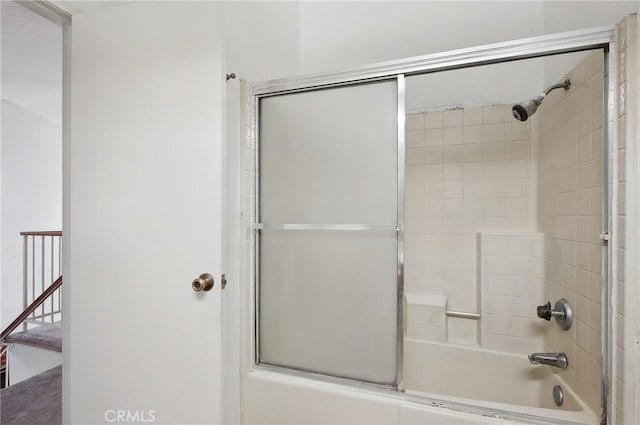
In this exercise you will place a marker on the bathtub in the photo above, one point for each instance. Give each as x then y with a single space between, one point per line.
490 379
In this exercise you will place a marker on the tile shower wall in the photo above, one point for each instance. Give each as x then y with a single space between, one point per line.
570 215
469 170
511 287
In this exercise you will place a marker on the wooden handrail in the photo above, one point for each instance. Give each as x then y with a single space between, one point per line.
31 308
42 233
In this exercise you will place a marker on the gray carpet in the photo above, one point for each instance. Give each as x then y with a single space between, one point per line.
45 336
36 401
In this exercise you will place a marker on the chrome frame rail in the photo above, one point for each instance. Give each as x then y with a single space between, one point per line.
255 239
609 211
336 227
401 122
548 45
481 55
462 315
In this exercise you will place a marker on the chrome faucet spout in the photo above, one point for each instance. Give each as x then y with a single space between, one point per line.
558 360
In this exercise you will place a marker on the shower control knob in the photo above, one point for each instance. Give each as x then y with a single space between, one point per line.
561 311
544 311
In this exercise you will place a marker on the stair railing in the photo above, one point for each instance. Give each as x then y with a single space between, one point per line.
42 263
28 311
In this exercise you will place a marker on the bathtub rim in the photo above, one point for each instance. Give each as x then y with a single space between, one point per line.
513 356
292 376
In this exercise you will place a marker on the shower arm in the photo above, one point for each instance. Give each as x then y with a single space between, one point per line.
566 84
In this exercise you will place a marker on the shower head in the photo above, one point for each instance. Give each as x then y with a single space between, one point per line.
523 110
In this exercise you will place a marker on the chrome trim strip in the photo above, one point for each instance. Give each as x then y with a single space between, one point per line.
609 210
256 234
401 123
331 85
463 315
324 377
338 227
386 391
461 58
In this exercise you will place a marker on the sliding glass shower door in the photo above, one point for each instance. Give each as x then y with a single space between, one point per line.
328 266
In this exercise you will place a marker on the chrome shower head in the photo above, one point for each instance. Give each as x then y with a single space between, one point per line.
523 110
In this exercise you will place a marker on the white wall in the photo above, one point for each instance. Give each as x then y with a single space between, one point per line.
570 15
261 39
31 147
26 361
335 35
329 40
567 16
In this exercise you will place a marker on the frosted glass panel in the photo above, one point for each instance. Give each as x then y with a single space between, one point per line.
328 302
330 156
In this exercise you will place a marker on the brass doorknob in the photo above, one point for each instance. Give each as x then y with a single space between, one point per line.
202 283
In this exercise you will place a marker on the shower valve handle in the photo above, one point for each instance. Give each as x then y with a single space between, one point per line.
544 311
561 311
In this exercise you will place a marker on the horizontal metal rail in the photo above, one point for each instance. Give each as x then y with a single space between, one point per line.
533 47
339 227
463 315
31 308
42 233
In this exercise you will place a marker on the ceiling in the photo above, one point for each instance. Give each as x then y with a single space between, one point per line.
88 6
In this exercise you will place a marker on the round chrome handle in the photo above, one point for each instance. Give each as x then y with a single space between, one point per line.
202 283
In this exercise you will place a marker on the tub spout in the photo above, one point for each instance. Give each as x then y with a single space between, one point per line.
552 359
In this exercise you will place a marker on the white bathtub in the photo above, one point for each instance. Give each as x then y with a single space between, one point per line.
491 379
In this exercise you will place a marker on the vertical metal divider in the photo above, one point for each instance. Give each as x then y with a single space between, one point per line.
608 227
25 271
255 233
402 95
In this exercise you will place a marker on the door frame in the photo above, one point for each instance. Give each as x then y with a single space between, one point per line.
63 17
535 47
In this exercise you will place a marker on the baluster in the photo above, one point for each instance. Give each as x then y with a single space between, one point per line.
60 274
33 273
42 253
51 266
25 271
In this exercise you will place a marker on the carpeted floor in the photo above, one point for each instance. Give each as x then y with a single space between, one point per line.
47 336
36 401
